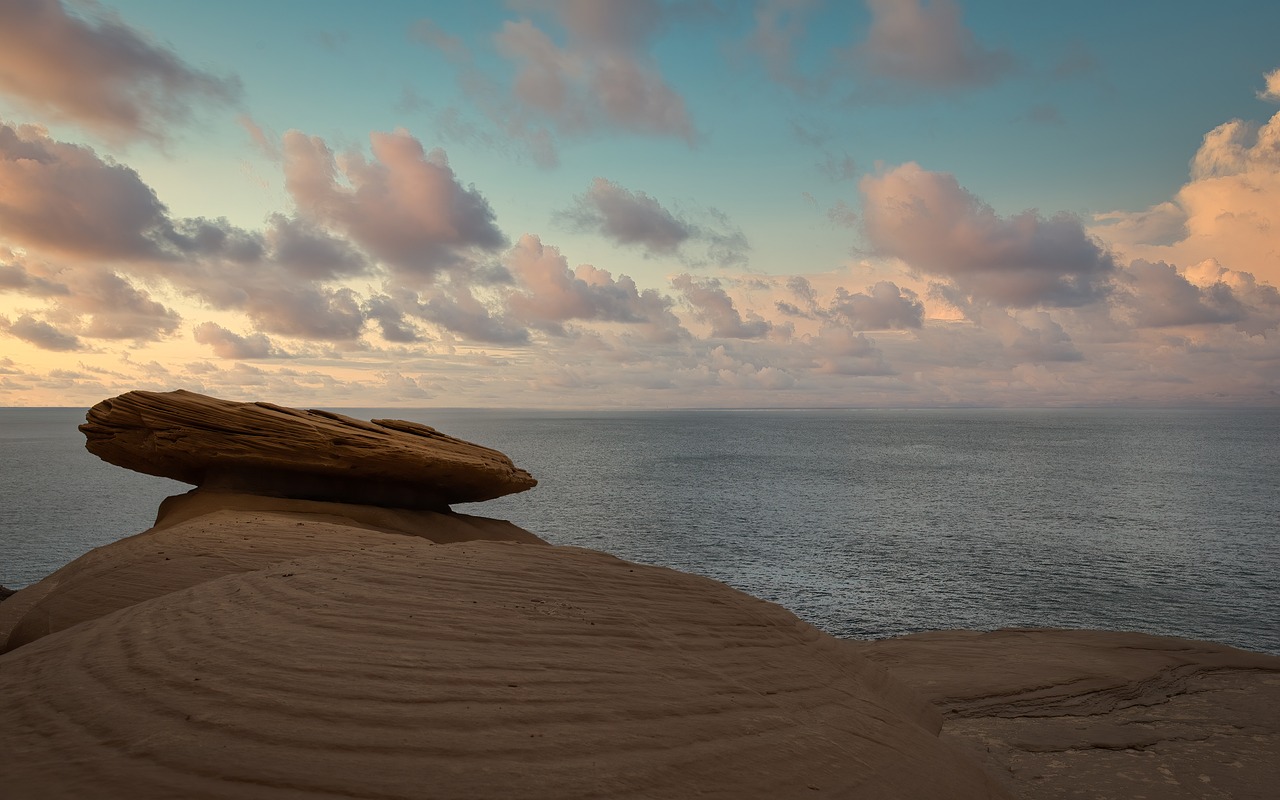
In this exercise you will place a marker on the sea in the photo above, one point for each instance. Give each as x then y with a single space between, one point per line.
866 523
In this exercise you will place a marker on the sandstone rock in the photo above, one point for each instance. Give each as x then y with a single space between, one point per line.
1067 713
5 592
469 670
264 449
204 535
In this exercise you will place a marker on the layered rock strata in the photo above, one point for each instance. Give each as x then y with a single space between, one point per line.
264 449
1061 713
467 670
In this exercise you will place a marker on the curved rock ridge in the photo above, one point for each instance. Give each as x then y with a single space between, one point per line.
473 670
261 448
205 535
1072 713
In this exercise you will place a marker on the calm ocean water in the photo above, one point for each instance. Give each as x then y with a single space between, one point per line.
866 523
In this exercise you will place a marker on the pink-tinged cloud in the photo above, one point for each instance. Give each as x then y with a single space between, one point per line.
937 227
64 198
309 252
712 305
40 333
406 206
111 307
1271 86
92 69
602 78
884 306
231 345
553 294
914 43
1161 297
633 218
629 218
1229 210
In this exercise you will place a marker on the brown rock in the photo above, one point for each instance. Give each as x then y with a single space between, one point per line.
1102 714
472 670
204 535
264 449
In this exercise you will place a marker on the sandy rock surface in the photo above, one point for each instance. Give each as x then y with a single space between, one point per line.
1102 714
472 670
260 448
204 535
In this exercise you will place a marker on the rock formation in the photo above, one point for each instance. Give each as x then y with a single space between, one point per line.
314 620
260 448
1063 713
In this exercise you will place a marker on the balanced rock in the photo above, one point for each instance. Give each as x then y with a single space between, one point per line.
265 449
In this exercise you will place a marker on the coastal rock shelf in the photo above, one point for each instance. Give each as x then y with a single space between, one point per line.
1063 713
469 670
262 448
314 621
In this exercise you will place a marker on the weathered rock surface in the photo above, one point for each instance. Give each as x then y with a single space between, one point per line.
470 670
264 449
1102 714
204 535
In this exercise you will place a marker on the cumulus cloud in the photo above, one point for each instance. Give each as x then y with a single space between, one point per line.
884 306
116 309
1229 209
631 218
95 70
926 45
636 219
1271 87
64 198
711 304
40 333
1161 297
227 344
553 294
933 224
406 206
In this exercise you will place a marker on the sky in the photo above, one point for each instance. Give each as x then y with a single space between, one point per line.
641 204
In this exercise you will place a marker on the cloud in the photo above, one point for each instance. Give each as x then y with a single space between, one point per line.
779 24
1160 297
929 221
117 309
552 294
64 198
629 218
1271 89
712 305
98 72
1229 209
637 219
310 252
912 43
40 333
226 344
602 77
406 206
884 306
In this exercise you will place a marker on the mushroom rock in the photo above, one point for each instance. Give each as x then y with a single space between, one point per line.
265 449
478 669
1071 713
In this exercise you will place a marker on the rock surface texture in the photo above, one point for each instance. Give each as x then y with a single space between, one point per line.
1101 714
470 670
260 448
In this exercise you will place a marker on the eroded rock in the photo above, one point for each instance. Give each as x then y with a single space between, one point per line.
468 670
265 449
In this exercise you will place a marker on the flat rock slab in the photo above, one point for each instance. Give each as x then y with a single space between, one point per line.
1102 714
267 449
470 670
